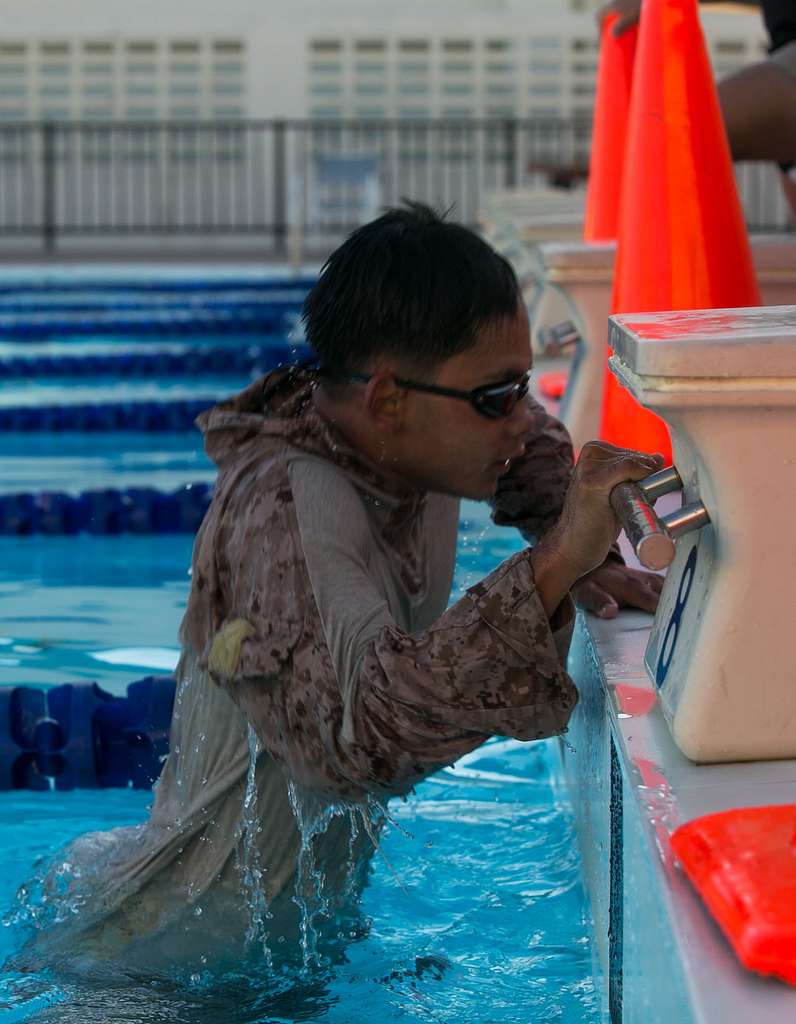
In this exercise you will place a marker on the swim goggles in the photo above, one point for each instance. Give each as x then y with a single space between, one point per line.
495 401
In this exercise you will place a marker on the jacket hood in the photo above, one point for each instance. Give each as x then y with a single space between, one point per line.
276 413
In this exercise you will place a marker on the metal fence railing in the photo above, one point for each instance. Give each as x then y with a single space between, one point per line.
315 180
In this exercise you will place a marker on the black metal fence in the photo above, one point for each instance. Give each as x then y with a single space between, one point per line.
314 180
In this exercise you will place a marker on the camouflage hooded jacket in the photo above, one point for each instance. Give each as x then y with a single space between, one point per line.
318 602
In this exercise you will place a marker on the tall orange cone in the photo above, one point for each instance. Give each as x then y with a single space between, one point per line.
611 108
682 240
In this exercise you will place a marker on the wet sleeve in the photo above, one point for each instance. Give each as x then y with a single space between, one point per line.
531 495
491 664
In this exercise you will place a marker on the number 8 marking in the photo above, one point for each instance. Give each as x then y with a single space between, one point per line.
673 629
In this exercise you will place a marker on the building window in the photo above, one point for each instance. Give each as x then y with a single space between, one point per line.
183 46
54 69
144 89
414 112
13 49
102 90
97 69
371 89
98 47
457 67
141 113
184 112
583 67
371 113
180 89
326 89
182 68
99 113
325 67
326 46
413 46
583 89
413 88
13 90
500 111
371 67
544 43
231 113
500 89
13 113
326 113
50 89
12 69
545 89
54 49
498 45
228 67
457 113
457 46
141 46
457 89
228 46
370 46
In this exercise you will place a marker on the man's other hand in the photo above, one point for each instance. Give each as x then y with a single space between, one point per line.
612 586
627 10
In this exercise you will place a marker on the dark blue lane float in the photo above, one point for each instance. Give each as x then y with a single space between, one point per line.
45 283
270 318
249 357
142 510
79 736
86 301
150 417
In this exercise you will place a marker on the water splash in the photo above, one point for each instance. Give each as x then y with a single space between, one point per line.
250 864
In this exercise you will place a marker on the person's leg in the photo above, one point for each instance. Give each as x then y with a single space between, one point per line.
759 107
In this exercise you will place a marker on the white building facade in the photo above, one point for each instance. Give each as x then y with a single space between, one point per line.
178 60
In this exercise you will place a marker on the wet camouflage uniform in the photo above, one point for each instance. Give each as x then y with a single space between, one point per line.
317 605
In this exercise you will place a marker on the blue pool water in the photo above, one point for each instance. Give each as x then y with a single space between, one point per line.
475 906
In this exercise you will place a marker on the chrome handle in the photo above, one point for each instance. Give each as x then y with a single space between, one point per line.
653 536
657 484
650 538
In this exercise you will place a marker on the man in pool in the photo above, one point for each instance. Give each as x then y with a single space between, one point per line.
316 633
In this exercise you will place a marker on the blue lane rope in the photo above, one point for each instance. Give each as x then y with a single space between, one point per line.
149 417
112 510
218 360
268 319
78 735
47 283
57 302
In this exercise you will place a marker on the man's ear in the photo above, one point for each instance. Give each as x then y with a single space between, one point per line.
385 402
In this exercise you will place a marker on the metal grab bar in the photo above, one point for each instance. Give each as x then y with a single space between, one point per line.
653 536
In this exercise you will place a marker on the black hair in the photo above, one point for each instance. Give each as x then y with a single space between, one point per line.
411 285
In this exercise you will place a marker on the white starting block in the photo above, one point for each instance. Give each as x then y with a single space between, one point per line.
580 274
719 653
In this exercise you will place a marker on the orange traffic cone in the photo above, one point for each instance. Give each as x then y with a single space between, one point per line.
682 241
611 106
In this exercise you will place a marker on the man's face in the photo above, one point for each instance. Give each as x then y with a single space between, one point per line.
447 445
